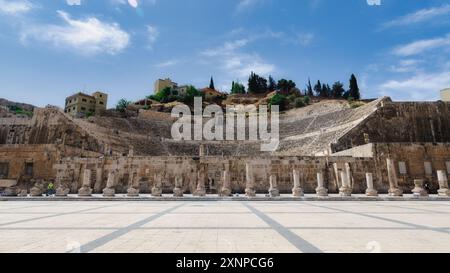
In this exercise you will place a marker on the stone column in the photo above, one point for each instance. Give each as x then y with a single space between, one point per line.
393 181
345 190
418 188
371 191
443 184
348 174
201 180
226 184
86 189
110 191
250 182
133 190
273 190
321 190
297 191
178 190
157 186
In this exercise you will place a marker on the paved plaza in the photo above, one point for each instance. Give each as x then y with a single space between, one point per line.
230 227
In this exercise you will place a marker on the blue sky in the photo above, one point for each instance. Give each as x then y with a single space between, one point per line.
52 48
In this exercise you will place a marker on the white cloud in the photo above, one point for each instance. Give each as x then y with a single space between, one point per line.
168 63
421 86
421 46
73 2
404 66
227 49
420 16
89 36
246 4
15 7
152 35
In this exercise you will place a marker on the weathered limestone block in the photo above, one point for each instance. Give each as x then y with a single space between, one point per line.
321 191
37 189
178 190
418 188
371 191
62 191
226 184
23 193
10 191
110 190
157 187
393 181
133 190
345 189
297 191
201 189
86 189
250 182
273 191
443 184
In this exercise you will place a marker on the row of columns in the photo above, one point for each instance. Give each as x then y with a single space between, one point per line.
297 191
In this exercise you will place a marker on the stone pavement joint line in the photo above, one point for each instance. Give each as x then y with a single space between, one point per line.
294 239
55 215
122 231
416 226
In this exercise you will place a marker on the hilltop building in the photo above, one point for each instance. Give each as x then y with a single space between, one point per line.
81 104
445 94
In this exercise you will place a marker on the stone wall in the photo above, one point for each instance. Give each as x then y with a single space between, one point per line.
406 122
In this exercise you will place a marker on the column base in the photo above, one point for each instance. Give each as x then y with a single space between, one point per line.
444 192
395 192
85 192
297 192
274 192
371 192
345 191
62 192
132 192
156 192
250 192
177 192
225 192
322 192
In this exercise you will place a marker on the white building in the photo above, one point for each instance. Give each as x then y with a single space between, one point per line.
445 94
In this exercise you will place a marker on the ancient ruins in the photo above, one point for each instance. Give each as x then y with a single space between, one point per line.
382 147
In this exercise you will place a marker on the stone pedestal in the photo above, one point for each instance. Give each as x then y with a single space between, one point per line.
86 189
273 191
157 186
250 182
36 190
200 191
393 181
62 191
443 184
133 190
110 191
345 189
321 191
418 188
178 191
226 187
371 191
297 191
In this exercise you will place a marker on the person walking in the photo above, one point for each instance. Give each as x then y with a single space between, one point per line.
50 189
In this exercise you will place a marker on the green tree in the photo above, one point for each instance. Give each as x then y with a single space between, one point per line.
337 90
122 105
354 89
278 99
309 89
324 92
257 84
272 84
318 89
211 84
237 88
285 86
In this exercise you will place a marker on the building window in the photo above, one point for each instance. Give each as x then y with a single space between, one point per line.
402 167
29 168
101 102
4 169
83 109
83 100
428 168
73 108
101 96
